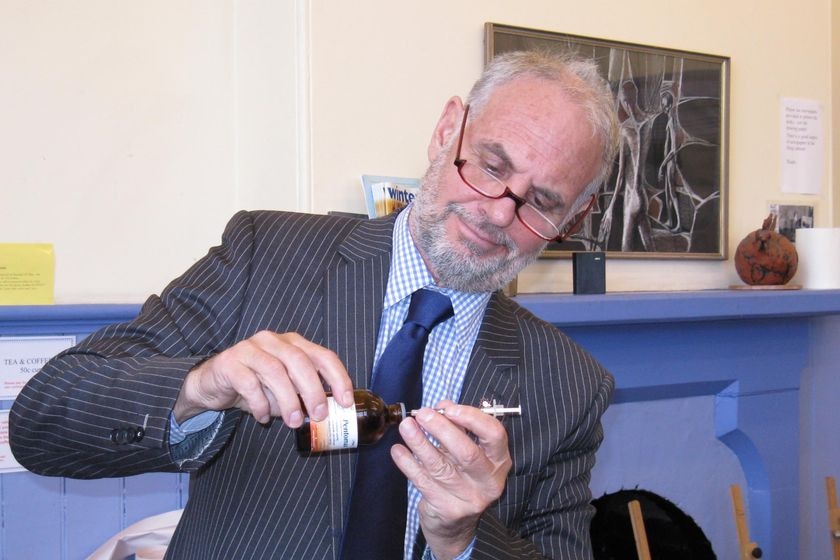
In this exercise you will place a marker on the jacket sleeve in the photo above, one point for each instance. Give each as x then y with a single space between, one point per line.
101 409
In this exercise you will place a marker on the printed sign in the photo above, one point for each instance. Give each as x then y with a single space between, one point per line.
7 460
22 356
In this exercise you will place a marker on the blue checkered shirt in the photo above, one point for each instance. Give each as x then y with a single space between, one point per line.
450 343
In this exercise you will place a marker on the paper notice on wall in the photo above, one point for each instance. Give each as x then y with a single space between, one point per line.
27 274
22 356
7 460
802 146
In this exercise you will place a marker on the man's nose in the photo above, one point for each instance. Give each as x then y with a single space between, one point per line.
500 212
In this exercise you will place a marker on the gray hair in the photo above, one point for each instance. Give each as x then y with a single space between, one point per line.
580 79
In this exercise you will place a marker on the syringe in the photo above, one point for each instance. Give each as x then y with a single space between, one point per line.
497 410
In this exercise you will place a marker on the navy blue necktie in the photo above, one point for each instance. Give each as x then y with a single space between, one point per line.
377 513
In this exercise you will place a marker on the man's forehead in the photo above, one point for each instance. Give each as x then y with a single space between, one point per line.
529 91
531 103
535 121
534 125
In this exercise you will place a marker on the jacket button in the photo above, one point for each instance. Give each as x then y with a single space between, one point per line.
121 436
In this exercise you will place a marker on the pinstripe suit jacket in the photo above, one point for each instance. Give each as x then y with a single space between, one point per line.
251 495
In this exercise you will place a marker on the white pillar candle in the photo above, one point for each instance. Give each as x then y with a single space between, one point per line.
819 258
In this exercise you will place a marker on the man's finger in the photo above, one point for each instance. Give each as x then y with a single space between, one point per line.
491 434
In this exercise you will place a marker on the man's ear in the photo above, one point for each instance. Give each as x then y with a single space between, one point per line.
448 124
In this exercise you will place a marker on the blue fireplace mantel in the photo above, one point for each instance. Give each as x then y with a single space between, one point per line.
676 307
767 358
560 309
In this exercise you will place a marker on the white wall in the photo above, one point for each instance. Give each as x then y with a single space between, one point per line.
835 101
131 131
116 139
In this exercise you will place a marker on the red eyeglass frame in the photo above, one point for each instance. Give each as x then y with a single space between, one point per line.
571 229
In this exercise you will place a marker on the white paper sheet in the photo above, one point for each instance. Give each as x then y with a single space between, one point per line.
22 356
802 146
8 463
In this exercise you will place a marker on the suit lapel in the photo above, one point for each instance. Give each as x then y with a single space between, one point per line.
495 357
354 292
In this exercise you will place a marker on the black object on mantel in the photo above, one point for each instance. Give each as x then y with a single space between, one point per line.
589 272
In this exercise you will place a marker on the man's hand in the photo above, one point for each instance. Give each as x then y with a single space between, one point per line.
263 375
458 480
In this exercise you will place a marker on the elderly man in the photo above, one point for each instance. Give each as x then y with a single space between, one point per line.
216 372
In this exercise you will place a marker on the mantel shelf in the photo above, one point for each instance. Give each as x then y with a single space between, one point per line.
658 307
560 309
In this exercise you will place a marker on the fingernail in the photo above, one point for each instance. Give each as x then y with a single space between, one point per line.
348 398
320 412
427 414
295 418
408 428
264 419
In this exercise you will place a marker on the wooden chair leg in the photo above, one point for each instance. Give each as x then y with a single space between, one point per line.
833 515
639 533
748 550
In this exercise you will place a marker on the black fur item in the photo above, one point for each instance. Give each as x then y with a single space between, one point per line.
671 534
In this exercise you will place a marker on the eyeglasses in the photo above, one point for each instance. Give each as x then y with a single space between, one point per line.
542 223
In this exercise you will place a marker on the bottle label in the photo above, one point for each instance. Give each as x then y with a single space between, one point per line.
339 430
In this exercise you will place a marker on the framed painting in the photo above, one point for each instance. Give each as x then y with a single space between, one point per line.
667 194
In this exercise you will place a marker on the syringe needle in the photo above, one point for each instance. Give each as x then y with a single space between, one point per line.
495 410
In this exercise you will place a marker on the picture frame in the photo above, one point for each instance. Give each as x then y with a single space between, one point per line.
673 109
791 217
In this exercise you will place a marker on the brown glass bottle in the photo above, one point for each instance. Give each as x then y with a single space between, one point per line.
347 428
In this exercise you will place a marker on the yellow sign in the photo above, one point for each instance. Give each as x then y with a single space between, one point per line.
27 273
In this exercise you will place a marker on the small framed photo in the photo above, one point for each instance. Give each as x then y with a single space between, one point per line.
790 217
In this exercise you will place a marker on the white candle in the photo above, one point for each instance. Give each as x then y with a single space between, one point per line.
819 258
